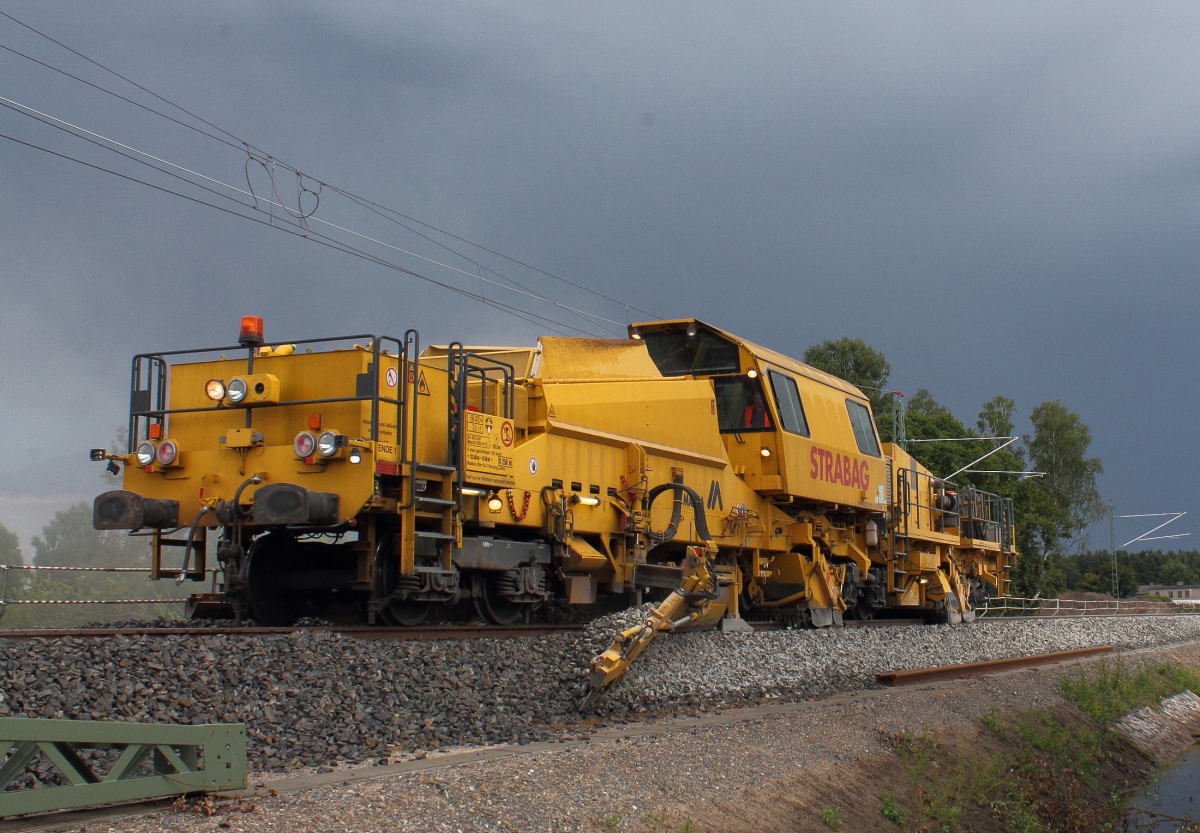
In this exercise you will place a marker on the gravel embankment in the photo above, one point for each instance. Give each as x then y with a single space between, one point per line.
313 698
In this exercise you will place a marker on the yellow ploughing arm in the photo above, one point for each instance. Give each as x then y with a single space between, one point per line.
685 604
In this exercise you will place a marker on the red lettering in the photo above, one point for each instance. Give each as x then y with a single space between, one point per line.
838 468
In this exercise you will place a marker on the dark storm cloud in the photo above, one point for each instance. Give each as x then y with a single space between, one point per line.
1002 198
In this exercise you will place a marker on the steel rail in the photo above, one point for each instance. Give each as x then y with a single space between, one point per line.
438 632
976 669
363 632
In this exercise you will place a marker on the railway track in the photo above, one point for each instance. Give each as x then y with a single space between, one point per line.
456 632
413 634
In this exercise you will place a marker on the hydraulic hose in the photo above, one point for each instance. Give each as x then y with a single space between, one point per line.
187 549
697 510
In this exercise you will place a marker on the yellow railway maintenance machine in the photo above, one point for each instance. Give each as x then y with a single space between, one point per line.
683 462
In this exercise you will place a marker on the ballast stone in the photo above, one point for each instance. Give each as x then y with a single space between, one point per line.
313 698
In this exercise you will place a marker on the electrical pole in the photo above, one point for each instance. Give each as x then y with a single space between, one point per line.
1112 545
899 433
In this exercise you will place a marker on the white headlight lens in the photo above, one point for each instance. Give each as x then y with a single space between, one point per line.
327 444
304 444
145 454
167 452
214 389
237 390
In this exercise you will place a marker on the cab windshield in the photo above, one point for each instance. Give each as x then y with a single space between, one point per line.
704 354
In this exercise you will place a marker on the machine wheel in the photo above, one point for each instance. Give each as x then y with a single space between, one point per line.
271 604
949 612
404 613
491 604
862 611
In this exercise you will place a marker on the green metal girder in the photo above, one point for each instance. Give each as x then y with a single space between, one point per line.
172 752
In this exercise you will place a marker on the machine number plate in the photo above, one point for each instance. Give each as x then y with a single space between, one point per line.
488 447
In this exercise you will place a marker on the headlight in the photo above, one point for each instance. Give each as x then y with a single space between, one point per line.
167 451
145 454
237 390
214 389
327 444
304 444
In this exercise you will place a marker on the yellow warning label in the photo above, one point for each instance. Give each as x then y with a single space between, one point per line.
550 413
422 385
487 449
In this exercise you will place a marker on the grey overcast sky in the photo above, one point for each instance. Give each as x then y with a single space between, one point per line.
1002 197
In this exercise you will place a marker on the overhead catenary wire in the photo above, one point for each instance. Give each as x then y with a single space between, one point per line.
122 77
138 104
379 211
26 110
366 202
297 231
242 143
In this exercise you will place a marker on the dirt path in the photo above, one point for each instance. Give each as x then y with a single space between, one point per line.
775 768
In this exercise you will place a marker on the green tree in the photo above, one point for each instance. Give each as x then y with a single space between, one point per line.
1058 447
1092 583
70 541
1054 510
1176 572
1127 581
10 547
858 363
927 419
995 420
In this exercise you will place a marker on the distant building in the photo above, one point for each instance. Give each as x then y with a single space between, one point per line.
1181 593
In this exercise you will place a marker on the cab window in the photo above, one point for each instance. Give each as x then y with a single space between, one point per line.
787 402
864 431
741 406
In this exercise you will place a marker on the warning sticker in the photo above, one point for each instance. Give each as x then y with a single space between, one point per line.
390 377
422 385
487 455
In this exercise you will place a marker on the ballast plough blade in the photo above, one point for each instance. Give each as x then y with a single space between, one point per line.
690 601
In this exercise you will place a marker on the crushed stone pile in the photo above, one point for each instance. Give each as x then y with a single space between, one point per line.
313 698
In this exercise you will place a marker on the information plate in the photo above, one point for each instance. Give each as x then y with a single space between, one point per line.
487 449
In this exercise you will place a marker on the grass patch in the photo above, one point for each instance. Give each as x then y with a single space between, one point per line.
892 811
1114 689
951 791
1035 771
831 818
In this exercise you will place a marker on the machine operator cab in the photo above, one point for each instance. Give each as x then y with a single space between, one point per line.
789 429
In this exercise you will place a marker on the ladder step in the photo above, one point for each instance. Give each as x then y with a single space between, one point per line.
436 501
436 536
436 467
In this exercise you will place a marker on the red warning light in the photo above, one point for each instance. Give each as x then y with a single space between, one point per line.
251 332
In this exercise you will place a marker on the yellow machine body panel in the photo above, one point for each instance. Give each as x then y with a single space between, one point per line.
579 468
209 468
